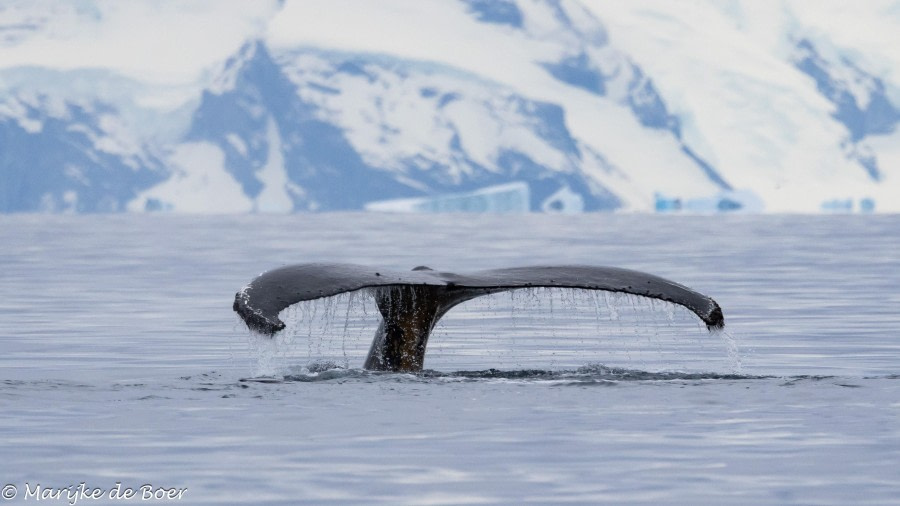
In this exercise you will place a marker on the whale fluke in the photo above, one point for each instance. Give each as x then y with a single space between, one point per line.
412 302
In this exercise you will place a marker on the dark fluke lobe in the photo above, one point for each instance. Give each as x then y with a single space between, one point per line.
412 302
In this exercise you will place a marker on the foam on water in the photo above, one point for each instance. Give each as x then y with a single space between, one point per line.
588 374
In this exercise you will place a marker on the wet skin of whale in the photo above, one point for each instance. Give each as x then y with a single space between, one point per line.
411 303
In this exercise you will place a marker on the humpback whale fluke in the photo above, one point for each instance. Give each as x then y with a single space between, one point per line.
412 302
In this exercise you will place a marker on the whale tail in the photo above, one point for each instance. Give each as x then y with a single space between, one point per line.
411 303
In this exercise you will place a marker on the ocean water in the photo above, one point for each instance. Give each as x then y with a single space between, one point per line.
123 365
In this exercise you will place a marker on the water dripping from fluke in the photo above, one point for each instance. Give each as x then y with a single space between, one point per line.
411 303
731 346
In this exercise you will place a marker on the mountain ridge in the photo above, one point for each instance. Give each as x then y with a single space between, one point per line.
320 121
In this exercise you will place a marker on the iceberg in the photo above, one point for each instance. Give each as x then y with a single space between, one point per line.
505 198
865 205
724 202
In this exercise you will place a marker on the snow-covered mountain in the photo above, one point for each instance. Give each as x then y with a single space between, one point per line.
429 105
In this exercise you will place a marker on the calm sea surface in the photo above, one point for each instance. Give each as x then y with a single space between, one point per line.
121 361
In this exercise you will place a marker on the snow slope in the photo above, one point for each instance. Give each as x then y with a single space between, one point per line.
643 105
739 76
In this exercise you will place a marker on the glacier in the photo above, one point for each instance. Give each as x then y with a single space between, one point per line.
449 105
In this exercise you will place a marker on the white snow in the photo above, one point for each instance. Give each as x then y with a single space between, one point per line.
725 69
15 109
727 74
168 42
845 75
443 33
149 59
199 185
274 197
887 194
866 33
237 143
391 124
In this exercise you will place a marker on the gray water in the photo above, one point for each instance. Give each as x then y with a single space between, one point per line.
122 362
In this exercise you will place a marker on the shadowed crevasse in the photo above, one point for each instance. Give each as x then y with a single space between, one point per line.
411 303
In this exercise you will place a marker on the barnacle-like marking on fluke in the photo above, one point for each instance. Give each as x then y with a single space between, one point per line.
411 303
